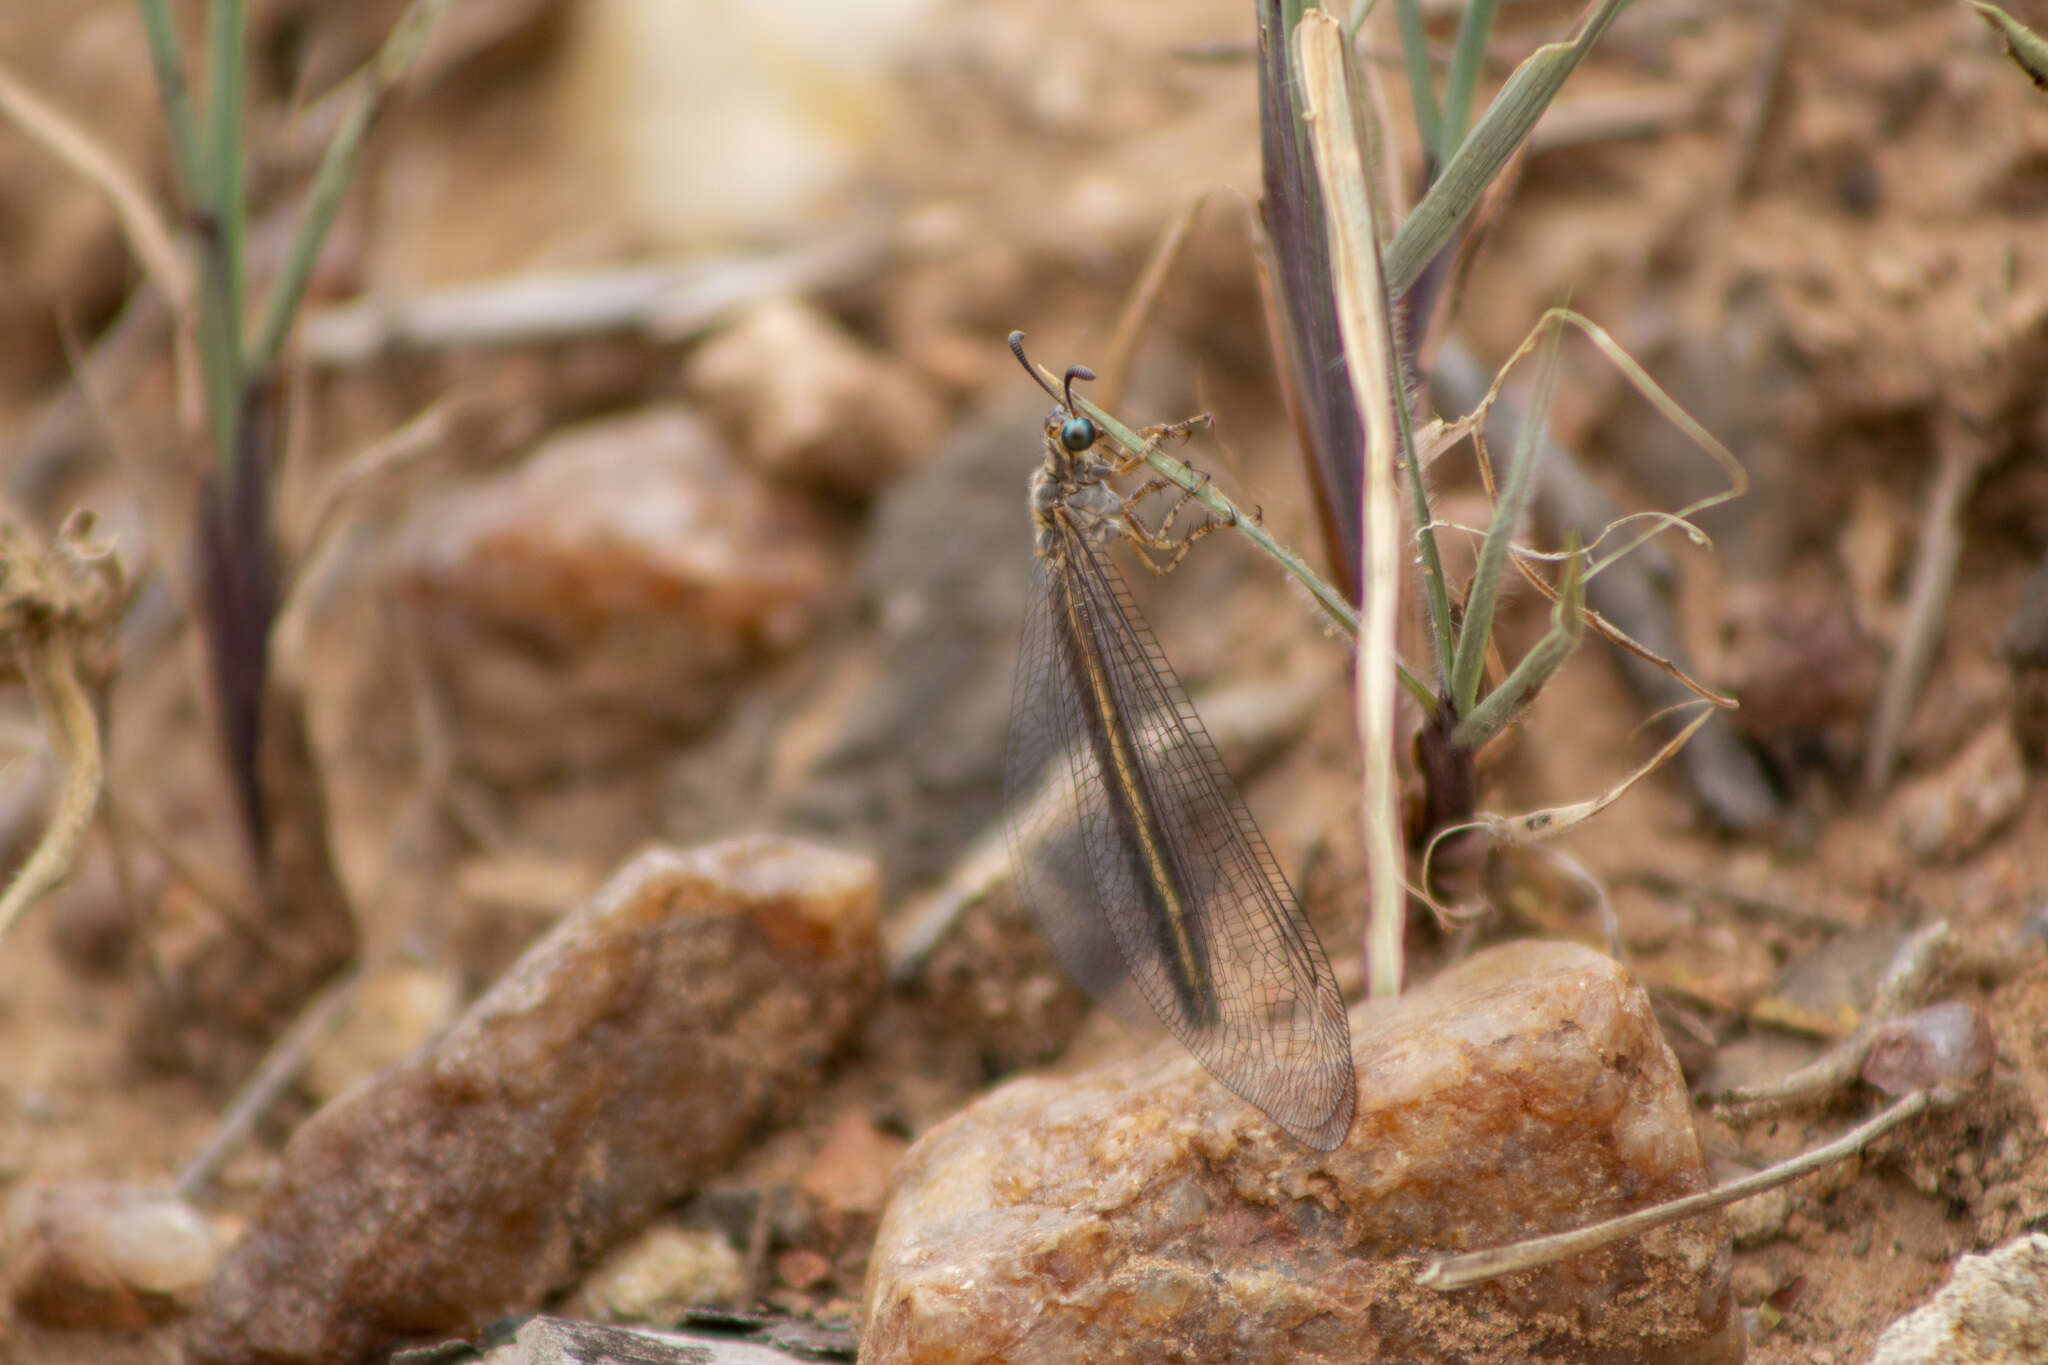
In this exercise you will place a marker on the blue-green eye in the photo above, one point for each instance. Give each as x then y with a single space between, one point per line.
1077 434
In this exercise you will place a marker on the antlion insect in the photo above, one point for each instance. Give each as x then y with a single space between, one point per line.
1155 879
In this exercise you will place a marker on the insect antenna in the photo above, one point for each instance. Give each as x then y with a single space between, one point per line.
1064 399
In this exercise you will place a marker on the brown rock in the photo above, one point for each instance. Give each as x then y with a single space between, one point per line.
505 900
1143 1213
1821 991
660 1275
809 403
1951 813
850 1174
625 1058
611 592
88 1254
394 1009
1803 670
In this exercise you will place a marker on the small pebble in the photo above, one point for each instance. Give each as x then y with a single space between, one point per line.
802 1268
660 1275
90 1254
612 591
1953 812
810 404
1752 1284
1946 1046
1993 1311
1759 1218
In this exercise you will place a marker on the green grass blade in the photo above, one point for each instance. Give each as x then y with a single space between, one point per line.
402 47
2024 45
175 93
1361 11
1415 57
222 224
1508 119
1508 510
1567 625
1462 83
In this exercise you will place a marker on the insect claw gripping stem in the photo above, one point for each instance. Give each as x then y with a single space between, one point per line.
1161 537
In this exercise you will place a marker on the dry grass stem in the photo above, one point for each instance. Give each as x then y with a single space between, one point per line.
395 451
1361 319
1115 371
224 901
1540 826
663 302
1459 1272
147 236
279 1068
1962 461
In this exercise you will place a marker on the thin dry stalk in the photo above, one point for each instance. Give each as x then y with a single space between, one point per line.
85 154
394 451
1963 458
1459 1272
1361 319
1757 100
141 224
1539 826
1144 302
279 1068
662 302
223 900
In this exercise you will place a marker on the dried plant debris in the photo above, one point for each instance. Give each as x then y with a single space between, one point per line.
54 603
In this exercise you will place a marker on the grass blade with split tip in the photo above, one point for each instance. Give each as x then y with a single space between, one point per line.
175 93
1301 307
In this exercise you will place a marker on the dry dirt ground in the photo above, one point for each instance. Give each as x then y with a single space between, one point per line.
1820 227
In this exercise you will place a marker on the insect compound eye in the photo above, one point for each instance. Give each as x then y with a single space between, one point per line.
1077 434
